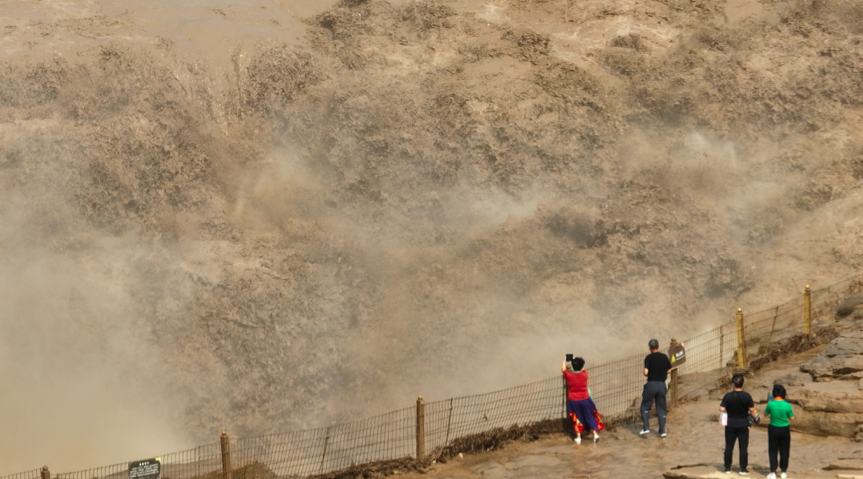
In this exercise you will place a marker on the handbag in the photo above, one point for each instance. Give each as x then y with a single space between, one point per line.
754 419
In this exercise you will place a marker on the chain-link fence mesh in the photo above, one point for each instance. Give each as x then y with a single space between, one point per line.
616 384
616 387
318 451
465 416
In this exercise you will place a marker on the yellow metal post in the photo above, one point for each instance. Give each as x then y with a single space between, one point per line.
807 310
741 344
421 436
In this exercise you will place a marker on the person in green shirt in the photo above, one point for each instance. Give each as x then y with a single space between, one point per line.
779 431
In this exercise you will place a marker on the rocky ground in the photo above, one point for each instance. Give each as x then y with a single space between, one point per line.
260 216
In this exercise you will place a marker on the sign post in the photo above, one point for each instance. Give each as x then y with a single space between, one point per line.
677 356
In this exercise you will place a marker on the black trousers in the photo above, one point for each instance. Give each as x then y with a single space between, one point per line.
733 434
778 444
654 391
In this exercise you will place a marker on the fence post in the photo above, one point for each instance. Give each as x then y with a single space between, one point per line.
673 388
46 474
807 310
326 444
741 344
722 347
421 436
225 442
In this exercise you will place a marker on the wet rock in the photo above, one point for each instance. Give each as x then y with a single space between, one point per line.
794 379
694 472
846 307
820 423
829 401
846 464
846 344
842 359
847 367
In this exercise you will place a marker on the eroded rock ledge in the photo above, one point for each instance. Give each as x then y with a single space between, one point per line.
828 397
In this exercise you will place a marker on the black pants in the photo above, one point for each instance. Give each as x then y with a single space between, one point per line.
732 434
778 444
654 391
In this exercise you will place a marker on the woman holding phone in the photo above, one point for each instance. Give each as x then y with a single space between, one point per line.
581 408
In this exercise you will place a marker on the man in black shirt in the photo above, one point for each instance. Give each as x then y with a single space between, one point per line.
738 405
656 368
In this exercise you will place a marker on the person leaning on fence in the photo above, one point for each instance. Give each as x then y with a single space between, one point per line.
738 406
779 431
656 368
580 405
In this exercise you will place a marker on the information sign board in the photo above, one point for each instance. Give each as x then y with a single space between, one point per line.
146 469
677 355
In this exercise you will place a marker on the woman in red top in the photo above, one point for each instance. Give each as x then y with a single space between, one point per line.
581 408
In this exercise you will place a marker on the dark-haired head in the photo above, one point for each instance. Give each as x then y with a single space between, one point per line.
779 391
737 381
577 364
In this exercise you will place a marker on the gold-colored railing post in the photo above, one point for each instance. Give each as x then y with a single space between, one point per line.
807 310
421 436
673 386
741 344
225 443
46 474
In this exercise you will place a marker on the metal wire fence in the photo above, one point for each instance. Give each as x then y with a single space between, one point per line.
417 433
34 474
464 416
318 451
191 463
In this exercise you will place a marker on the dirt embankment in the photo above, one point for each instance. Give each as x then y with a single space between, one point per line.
319 219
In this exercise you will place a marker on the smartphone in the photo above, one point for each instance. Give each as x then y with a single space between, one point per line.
569 358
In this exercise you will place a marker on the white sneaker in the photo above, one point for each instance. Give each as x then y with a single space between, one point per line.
772 475
644 431
663 435
595 437
578 440
783 476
